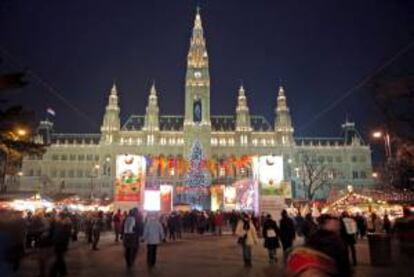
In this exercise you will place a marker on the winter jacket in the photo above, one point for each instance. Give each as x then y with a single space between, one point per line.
153 232
250 234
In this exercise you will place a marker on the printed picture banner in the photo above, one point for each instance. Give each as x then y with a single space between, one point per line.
130 178
268 170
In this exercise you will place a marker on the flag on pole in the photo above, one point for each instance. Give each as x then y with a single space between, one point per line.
51 111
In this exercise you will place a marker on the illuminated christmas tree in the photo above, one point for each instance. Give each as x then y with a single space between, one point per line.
197 175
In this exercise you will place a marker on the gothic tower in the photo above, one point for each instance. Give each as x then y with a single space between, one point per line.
111 122
243 127
283 121
152 122
197 124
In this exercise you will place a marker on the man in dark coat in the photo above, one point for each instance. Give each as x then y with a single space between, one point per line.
348 234
287 231
98 226
271 233
61 237
309 226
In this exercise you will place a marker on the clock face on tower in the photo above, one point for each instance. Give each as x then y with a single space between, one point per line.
197 74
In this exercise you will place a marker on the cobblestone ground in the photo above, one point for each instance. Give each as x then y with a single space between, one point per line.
192 256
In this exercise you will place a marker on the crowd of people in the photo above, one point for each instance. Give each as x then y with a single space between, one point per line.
328 241
328 247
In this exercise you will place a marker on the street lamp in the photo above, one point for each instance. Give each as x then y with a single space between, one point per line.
94 174
387 142
377 134
21 132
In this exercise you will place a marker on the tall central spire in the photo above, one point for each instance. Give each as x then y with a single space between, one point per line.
197 79
197 56
197 124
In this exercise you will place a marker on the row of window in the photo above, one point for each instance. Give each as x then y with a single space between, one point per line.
359 174
222 141
71 173
74 157
215 141
337 159
83 186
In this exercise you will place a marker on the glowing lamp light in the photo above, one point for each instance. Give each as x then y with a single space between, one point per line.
374 175
152 200
21 132
377 134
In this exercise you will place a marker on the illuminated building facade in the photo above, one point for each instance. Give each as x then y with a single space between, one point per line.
85 163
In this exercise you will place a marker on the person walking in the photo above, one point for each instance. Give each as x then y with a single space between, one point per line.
309 226
300 222
348 234
88 224
153 235
386 224
117 220
372 223
98 225
287 231
130 238
324 253
271 233
44 245
219 222
404 230
172 226
247 237
75 219
361 225
61 237
233 219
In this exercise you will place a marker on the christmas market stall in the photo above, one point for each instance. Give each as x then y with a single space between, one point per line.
354 202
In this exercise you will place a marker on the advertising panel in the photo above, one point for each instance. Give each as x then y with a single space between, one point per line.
217 195
166 198
246 194
268 170
230 197
130 178
152 200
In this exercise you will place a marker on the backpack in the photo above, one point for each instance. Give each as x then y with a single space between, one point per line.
350 225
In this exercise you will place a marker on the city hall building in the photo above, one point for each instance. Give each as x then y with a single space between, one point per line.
85 164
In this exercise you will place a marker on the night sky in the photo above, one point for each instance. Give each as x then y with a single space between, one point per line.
319 49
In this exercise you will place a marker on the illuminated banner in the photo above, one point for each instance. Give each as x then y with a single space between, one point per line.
152 200
217 195
246 194
230 196
130 178
268 170
166 198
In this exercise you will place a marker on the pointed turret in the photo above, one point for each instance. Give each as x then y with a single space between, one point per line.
242 112
152 111
111 122
283 121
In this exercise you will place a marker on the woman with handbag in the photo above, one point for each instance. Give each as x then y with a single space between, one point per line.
247 237
271 234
